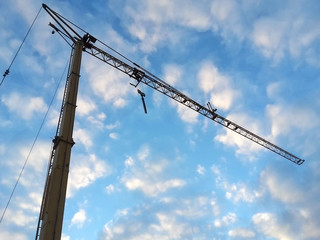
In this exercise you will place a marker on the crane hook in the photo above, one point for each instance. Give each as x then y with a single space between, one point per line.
142 94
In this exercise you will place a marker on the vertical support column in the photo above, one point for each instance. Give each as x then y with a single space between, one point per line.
55 192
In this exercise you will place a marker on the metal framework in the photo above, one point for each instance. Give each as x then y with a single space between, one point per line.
142 76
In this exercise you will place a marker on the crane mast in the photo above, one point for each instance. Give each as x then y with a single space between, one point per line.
52 207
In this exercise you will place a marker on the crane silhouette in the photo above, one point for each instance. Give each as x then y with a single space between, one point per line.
52 208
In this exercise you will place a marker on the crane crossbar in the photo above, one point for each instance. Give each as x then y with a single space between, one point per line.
164 88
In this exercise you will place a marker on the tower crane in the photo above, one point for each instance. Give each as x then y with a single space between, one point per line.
52 207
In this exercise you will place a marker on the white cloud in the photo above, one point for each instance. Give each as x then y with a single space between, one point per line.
129 162
282 187
186 114
268 224
85 106
108 83
295 34
298 218
172 74
113 125
281 117
31 202
79 218
244 146
273 90
201 170
156 22
228 18
242 233
152 187
82 136
113 136
20 218
84 172
144 152
269 39
13 235
217 85
27 9
118 42
225 220
149 176
65 237
166 218
196 207
38 158
240 192
235 192
53 118
110 188
95 121
24 106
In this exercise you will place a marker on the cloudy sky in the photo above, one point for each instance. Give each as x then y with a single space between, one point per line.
171 173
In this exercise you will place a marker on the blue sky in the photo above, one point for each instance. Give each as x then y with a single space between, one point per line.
171 173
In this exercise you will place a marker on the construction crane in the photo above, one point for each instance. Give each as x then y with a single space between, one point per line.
52 207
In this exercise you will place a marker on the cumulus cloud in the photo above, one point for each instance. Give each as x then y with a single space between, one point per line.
201 170
172 74
153 23
282 187
108 83
157 23
299 218
149 176
25 204
241 233
292 119
85 106
65 237
82 136
244 146
24 106
225 220
165 218
268 224
85 171
13 235
38 158
79 218
186 114
236 192
129 162
228 18
110 188
281 117
268 39
217 85
20 218
293 33
113 136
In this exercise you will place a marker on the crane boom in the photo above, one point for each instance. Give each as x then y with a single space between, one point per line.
141 75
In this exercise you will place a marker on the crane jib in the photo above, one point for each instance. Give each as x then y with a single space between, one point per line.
164 88
138 73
